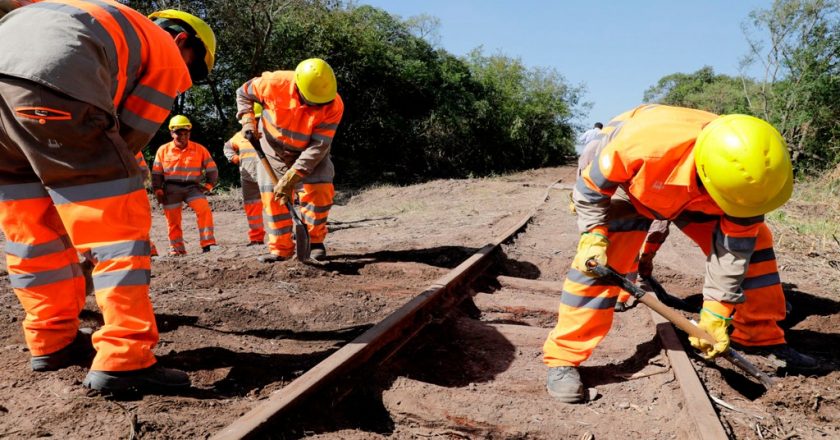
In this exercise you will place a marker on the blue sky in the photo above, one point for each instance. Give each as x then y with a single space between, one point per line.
617 49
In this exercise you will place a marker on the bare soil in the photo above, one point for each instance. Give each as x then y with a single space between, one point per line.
243 330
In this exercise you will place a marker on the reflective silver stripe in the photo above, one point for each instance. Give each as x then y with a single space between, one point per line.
579 277
182 169
598 177
207 162
171 206
136 248
252 201
26 280
281 231
203 230
745 221
187 179
323 138
22 191
763 255
138 122
21 250
629 224
131 277
153 96
254 218
587 302
294 135
196 197
319 209
324 126
589 194
266 189
176 241
95 191
735 244
766 280
276 217
313 221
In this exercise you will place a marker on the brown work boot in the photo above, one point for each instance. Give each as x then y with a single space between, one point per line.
271 258
564 384
317 252
154 379
78 352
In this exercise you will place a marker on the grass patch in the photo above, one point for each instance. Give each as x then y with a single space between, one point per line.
810 221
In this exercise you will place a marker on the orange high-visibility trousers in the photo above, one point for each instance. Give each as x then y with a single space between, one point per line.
175 197
315 200
755 321
68 184
253 210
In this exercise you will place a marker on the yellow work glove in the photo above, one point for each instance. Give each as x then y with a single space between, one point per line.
285 189
592 246
714 319
249 125
572 208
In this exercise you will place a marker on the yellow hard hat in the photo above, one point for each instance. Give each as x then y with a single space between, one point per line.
258 108
316 81
179 122
199 29
744 164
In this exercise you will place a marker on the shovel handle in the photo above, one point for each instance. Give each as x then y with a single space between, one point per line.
261 154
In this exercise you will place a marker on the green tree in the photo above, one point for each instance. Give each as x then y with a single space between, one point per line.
703 90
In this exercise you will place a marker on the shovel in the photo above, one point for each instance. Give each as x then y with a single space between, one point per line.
302 247
680 321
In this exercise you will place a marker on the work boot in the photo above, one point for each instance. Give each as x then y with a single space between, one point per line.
206 249
564 384
154 379
782 355
78 352
271 258
317 252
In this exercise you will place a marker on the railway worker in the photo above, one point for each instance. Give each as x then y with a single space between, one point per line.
77 101
147 180
715 177
239 152
301 113
178 171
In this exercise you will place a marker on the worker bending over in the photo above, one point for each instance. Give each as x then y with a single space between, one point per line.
241 153
78 99
715 177
180 167
300 116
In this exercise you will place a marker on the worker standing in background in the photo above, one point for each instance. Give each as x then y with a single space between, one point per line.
587 137
147 180
301 113
180 167
662 162
241 153
83 86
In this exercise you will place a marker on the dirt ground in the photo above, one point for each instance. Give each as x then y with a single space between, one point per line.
243 330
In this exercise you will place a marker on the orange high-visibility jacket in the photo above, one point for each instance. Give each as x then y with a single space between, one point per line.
173 164
649 152
299 133
248 159
108 47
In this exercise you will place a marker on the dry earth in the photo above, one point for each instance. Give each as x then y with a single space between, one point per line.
243 330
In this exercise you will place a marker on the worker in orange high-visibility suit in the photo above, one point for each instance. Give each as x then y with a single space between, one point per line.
715 177
77 102
301 113
179 168
147 179
241 153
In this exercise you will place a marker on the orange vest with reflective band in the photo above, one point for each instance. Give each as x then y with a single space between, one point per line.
100 52
287 122
187 165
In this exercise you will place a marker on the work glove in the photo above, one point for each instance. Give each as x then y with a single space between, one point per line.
235 159
249 125
592 246
714 319
285 189
572 208
159 196
646 265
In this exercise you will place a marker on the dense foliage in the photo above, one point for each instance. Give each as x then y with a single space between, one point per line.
797 47
413 111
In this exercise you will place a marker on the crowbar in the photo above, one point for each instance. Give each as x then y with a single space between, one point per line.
680 321
302 246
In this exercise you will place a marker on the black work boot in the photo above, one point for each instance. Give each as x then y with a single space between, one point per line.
78 352
564 384
154 379
317 252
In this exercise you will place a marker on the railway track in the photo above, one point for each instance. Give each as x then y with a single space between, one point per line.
385 339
